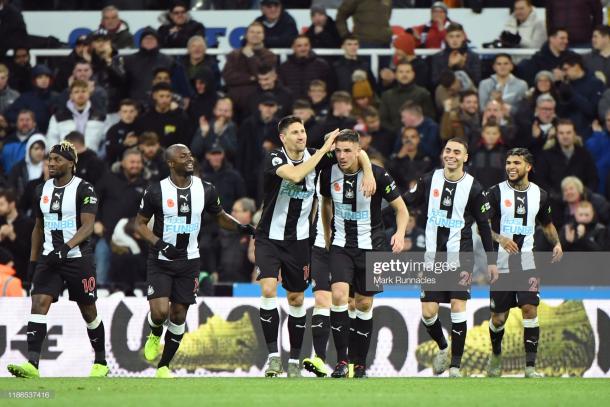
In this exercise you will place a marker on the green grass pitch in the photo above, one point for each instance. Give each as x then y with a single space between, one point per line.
242 392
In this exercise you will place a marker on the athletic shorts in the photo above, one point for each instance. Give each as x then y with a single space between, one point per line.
320 269
285 260
444 297
177 280
502 301
76 274
348 265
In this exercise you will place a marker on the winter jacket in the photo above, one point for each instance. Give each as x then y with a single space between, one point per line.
581 97
406 169
330 123
532 31
595 62
430 35
553 166
7 97
227 140
513 91
371 20
393 99
327 38
13 32
282 33
593 240
229 184
440 62
578 17
239 74
487 165
172 127
13 151
430 143
121 38
178 39
39 101
344 68
63 123
284 96
20 247
115 136
90 167
207 66
543 60
598 146
297 73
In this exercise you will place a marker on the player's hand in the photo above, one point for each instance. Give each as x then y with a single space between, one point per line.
58 256
246 229
492 272
557 253
329 140
509 245
398 243
368 185
168 250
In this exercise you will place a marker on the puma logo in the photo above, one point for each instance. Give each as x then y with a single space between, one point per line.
351 183
521 198
449 191
300 326
58 195
532 342
318 325
94 340
175 340
185 197
266 320
31 333
365 334
336 328
457 332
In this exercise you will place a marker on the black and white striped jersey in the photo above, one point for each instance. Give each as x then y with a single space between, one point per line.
60 208
286 205
178 213
451 208
514 214
357 221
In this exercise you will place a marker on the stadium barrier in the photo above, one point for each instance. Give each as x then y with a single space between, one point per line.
224 338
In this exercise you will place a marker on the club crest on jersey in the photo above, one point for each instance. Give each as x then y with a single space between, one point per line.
520 210
184 208
435 193
447 201
151 290
170 203
55 205
508 203
349 194
337 187
45 199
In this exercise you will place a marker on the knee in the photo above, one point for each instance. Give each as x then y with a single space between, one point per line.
529 311
41 304
322 299
89 312
340 294
498 320
429 310
364 304
295 299
178 315
159 314
268 288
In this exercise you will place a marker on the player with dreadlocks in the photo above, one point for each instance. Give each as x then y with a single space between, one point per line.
62 254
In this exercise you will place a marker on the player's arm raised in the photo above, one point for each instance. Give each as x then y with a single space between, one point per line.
368 185
296 173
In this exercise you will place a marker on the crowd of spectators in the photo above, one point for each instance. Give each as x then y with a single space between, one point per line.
122 111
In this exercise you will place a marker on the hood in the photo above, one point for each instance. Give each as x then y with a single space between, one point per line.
34 138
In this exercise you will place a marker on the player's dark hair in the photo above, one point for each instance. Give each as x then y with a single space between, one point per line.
75 136
460 140
523 153
285 122
348 135
9 195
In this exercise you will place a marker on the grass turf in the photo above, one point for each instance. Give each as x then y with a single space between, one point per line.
125 392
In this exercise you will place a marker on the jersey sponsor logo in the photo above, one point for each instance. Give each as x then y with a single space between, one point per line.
90 200
508 203
52 222
170 203
169 129
436 193
438 217
177 224
294 191
275 161
514 226
390 187
337 186
485 207
45 199
344 211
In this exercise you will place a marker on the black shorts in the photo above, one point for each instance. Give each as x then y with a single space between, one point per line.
444 297
502 301
285 260
320 269
77 274
177 280
348 265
